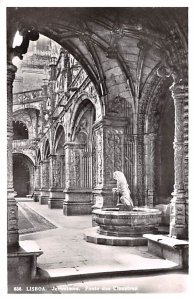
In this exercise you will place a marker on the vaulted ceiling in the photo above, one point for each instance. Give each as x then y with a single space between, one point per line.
121 49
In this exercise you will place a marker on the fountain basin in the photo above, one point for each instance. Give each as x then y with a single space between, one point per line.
132 223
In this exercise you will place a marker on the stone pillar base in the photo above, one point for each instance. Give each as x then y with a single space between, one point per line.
36 196
22 262
77 203
43 197
56 199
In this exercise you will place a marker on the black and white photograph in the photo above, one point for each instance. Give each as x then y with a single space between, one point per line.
97 149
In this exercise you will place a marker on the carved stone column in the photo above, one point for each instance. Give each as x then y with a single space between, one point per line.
129 157
21 256
178 225
139 185
52 81
44 190
36 182
135 167
150 168
42 119
56 195
77 199
186 167
108 157
11 203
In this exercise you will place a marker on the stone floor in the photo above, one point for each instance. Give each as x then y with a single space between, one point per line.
29 221
67 257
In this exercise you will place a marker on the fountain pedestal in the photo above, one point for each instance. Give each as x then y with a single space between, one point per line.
123 228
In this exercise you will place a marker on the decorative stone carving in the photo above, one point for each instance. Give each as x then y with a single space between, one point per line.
55 171
113 151
129 160
116 105
127 223
178 226
37 175
140 170
94 160
99 157
58 172
86 169
12 213
28 96
12 217
150 168
76 162
45 175
119 107
115 35
72 163
29 34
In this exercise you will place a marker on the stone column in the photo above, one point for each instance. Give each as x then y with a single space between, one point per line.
108 157
36 182
52 82
21 256
44 191
139 182
77 199
42 119
135 167
129 155
56 195
150 168
186 167
12 210
178 226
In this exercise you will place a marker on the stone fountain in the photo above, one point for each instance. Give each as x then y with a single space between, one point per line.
123 225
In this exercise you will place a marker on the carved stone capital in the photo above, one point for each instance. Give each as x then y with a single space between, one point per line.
179 75
29 33
11 69
180 89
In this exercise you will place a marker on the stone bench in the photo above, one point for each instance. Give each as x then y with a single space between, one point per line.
168 248
22 262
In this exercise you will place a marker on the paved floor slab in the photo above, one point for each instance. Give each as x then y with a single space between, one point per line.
64 247
72 265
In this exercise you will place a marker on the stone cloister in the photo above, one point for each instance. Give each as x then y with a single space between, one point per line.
125 109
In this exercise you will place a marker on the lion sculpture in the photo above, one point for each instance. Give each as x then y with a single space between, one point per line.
122 190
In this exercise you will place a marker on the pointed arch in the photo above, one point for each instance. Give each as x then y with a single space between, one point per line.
46 149
23 174
20 131
83 120
59 140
